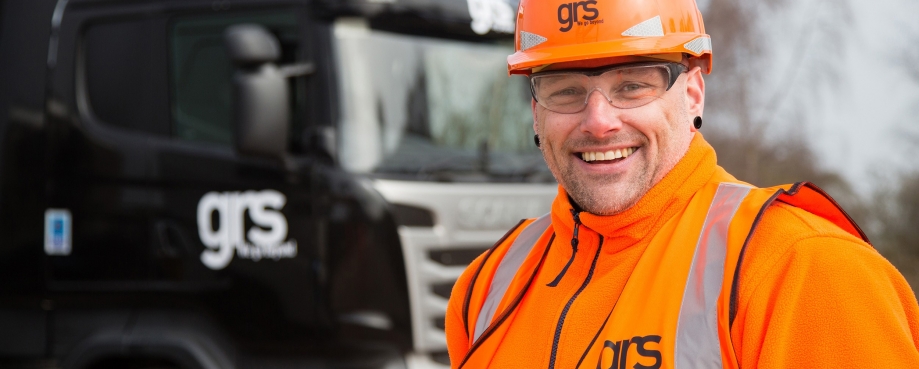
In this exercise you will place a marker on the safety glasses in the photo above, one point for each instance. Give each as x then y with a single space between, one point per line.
624 86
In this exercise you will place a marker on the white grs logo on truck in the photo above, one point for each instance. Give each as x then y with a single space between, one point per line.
491 15
263 241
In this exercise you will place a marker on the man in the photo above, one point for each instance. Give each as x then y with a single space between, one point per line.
652 255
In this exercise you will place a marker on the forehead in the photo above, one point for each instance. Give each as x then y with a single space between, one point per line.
618 72
609 62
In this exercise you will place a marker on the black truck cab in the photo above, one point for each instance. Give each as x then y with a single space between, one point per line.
252 183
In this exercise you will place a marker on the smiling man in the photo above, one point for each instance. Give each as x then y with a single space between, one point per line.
653 256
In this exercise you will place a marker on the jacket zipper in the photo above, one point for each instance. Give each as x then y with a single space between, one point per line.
574 248
561 319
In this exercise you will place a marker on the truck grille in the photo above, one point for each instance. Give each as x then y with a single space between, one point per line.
442 289
443 227
432 270
453 257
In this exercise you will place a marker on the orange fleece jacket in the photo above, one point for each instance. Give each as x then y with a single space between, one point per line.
810 294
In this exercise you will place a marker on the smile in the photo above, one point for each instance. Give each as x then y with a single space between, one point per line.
596 156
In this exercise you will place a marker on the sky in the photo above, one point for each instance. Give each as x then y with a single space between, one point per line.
867 125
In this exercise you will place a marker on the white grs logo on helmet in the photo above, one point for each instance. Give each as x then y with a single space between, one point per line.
267 239
491 15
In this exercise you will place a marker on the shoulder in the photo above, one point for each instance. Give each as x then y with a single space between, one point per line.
789 238
796 257
455 320
472 271
804 282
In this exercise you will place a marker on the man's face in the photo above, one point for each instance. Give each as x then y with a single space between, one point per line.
654 137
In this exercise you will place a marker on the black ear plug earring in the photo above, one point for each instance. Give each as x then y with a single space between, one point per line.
696 122
536 139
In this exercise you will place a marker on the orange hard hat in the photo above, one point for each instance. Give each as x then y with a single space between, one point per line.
560 31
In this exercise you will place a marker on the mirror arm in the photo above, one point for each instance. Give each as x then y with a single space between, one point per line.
297 69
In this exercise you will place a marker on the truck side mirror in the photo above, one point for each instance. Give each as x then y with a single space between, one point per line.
261 109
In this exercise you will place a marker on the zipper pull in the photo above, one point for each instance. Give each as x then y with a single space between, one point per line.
574 248
577 225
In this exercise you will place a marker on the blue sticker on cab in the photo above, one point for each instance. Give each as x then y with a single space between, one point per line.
57 231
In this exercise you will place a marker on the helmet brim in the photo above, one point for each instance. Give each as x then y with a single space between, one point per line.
522 62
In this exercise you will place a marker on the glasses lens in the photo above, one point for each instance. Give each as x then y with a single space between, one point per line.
633 87
625 88
562 93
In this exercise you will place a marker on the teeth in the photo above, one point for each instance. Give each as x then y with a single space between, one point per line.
609 155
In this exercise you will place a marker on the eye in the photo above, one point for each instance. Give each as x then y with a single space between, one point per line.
570 91
633 90
631 87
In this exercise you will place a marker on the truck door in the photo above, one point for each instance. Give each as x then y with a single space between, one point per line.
160 201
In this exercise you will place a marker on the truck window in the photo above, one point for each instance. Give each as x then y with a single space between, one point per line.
126 74
201 72
445 109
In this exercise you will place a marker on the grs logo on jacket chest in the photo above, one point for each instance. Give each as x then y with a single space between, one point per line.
639 352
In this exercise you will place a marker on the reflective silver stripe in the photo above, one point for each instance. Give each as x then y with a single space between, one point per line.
507 269
697 344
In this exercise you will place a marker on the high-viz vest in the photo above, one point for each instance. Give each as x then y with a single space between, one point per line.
676 308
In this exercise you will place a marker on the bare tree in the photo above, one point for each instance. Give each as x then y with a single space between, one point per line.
911 61
765 63
910 64
895 206
762 69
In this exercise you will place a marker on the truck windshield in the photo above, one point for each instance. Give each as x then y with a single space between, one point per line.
422 108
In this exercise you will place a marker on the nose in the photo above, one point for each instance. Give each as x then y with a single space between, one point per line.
600 91
601 118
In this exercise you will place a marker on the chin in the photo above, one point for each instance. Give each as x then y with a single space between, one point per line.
604 200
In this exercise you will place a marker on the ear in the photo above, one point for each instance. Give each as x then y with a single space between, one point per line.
695 94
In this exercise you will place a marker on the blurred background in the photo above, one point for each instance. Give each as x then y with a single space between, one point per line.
179 233
828 92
